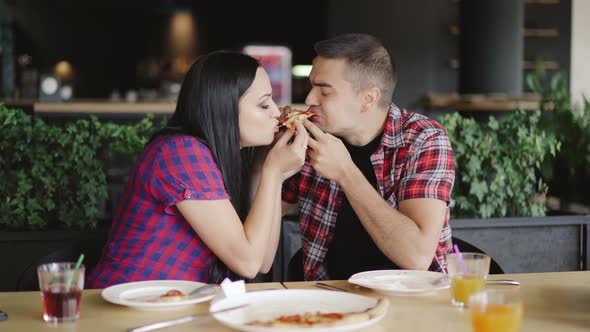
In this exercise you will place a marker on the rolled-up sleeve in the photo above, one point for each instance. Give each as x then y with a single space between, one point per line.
185 169
429 171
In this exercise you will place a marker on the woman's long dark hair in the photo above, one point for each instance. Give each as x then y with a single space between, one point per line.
208 109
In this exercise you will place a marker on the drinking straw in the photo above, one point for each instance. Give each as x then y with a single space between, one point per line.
460 259
71 277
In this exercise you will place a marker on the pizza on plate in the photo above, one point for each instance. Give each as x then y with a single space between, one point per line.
172 296
325 319
288 120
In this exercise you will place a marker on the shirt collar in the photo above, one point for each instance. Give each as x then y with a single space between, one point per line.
392 134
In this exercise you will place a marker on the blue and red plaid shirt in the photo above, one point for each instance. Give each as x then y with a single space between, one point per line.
414 160
149 238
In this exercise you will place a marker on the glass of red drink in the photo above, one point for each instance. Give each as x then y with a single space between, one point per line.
61 291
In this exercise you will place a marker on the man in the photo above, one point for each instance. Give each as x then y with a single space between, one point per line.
374 191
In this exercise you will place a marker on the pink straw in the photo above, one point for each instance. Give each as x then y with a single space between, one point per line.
460 259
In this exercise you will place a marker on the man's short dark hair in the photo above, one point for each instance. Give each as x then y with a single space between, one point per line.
367 62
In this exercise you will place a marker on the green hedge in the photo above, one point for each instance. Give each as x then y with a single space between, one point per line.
503 164
498 164
54 176
564 121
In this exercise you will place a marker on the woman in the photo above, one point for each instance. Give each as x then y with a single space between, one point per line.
193 185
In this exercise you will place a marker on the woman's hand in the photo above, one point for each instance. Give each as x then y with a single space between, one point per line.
288 158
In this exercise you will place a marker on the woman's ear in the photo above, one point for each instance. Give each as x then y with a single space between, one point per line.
370 98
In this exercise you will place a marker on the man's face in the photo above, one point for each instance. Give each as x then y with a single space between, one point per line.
332 98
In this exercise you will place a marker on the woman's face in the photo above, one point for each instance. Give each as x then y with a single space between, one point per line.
258 113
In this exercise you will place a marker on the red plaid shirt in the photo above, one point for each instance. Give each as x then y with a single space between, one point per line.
150 239
414 160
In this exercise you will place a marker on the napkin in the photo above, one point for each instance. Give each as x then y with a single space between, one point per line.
233 288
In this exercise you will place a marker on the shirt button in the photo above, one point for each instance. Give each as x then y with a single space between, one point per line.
187 196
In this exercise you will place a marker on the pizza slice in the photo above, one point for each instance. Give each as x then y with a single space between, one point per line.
289 119
320 319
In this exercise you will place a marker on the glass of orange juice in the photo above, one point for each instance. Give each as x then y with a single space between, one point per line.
468 273
496 310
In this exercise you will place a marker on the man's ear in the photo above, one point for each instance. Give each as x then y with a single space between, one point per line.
370 98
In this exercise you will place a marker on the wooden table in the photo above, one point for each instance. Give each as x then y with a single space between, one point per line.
553 302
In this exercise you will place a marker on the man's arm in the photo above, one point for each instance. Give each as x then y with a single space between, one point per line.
407 236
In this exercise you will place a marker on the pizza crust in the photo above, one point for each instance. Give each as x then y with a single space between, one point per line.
319 319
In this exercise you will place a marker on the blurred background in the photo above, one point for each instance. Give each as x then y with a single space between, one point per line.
141 49
109 48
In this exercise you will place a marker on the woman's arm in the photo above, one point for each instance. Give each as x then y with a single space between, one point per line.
245 247
275 233
241 247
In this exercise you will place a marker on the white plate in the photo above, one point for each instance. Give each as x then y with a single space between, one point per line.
267 305
141 294
401 282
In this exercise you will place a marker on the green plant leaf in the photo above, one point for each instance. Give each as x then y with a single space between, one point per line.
498 164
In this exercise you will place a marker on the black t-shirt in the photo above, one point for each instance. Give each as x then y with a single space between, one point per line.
352 250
